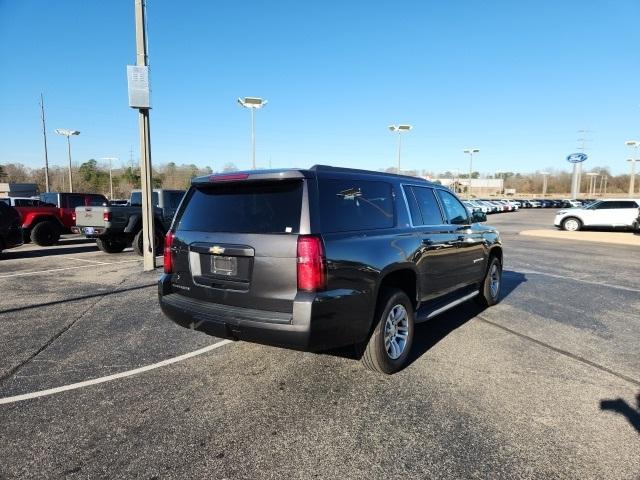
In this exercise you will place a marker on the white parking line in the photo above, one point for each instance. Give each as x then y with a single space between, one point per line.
591 282
38 272
115 376
84 260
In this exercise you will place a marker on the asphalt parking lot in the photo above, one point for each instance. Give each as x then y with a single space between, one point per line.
544 385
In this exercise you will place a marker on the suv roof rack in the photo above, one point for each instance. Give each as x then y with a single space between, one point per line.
329 168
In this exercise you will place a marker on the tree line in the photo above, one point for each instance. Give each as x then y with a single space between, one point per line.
92 176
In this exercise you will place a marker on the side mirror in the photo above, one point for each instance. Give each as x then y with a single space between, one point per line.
478 216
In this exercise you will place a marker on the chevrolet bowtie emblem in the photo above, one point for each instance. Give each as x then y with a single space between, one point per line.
216 250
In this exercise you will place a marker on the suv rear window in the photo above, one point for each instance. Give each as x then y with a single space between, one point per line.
272 207
348 205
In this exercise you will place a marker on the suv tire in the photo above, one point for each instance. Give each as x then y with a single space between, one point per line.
45 233
138 245
110 245
571 224
390 343
490 287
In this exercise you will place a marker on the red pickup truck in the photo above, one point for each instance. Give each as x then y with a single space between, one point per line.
43 225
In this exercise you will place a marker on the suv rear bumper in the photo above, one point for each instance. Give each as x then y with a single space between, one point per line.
311 326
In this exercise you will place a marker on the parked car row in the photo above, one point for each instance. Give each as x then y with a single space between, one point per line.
549 203
487 206
114 225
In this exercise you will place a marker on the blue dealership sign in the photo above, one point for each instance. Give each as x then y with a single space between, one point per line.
577 157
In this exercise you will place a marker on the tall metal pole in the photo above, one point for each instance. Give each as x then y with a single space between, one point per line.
632 180
544 184
146 182
110 180
70 177
399 150
253 138
46 154
470 170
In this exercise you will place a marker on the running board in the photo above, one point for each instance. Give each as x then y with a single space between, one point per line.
446 307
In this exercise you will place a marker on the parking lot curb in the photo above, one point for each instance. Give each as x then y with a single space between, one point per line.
617 238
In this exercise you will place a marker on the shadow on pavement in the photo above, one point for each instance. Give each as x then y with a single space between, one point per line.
78 298
50 251
429 333
620 406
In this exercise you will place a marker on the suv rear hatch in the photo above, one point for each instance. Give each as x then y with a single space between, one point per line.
235 242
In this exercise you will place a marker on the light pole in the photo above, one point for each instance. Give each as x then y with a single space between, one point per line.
110 159
634 144
68 133
470 151
592 183
252 103
544 182
632 178
399 129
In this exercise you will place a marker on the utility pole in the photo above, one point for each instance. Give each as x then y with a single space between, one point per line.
46 154
146 182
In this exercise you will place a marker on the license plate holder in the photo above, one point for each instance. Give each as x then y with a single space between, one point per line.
88 230
226 266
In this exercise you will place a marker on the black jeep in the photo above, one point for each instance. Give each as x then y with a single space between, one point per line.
325 257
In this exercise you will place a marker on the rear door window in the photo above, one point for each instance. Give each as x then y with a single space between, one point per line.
351 205
428 205
269 207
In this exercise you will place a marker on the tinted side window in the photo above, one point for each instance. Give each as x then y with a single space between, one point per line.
49 198
74 201
174 199
428 204
607 205
95 200
456 212
349 205
136 199
624 204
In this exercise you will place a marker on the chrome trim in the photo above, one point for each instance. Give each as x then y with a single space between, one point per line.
449 306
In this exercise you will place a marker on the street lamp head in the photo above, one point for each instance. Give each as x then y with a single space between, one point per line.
631 160
471 150
632 143
400 128
66 132
252 102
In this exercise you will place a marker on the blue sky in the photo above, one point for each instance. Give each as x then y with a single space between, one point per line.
515 79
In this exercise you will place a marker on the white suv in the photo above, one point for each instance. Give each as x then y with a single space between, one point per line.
613 212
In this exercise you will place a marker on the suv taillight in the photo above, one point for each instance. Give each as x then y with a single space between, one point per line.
106 216
311 265
73 217
168 260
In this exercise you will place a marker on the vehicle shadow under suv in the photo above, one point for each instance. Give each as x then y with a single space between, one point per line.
429 333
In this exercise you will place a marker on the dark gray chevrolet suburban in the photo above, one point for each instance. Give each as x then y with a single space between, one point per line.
322 258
